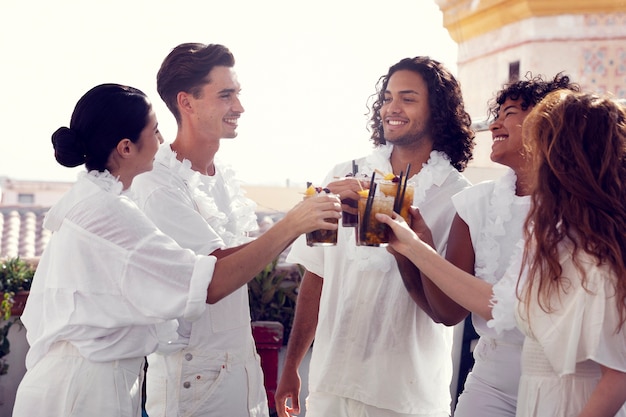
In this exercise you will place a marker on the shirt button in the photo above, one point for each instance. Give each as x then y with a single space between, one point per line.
186 384
188 356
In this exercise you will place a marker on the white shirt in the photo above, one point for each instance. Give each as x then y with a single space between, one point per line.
202 213
373 343
564 348
495 216
107 276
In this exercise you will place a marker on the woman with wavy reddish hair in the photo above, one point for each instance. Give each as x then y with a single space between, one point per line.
573 304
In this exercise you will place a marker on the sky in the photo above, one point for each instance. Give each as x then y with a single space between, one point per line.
306 68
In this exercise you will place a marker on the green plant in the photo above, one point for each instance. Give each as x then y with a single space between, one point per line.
273 293
16 275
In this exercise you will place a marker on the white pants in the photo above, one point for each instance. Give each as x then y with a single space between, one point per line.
64 383
192 383
491 387
319 404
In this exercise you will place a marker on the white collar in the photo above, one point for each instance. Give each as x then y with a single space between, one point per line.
234 226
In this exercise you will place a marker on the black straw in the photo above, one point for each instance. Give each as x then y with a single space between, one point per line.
406 179
397 203
368 206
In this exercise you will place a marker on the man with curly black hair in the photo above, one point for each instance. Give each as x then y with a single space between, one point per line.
486 240
378 351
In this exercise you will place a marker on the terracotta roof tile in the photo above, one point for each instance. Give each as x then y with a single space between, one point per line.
21 231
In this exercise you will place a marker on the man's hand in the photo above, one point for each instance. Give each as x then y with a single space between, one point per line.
288 388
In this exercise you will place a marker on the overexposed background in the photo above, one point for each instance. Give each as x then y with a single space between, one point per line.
307 70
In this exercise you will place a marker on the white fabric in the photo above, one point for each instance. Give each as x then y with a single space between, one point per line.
321 404
373 344
563 349
64 383
490 389
202 213
106 279
495 217
221 386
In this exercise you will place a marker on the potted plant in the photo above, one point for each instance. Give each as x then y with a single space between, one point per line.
272 295
16 276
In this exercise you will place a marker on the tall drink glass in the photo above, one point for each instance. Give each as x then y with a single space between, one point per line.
371 232
349 219
321 237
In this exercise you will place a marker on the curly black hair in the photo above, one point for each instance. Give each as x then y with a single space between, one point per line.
450 123
530 91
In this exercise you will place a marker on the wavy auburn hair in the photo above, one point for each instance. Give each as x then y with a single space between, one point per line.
577 143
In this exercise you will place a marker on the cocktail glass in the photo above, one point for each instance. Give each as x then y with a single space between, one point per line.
322 237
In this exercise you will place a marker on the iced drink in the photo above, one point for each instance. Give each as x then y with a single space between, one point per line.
390 189
351 219
369 231
321 237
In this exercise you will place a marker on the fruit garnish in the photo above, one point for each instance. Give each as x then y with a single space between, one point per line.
364 193
310 190
390 177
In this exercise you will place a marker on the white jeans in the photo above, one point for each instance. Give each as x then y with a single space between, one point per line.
64 383
190 383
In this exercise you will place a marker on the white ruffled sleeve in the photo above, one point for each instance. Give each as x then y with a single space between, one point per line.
584 323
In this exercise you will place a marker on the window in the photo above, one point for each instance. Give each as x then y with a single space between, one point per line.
514 71
23 198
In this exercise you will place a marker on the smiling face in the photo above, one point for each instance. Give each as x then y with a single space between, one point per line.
506 131
405 111
217 108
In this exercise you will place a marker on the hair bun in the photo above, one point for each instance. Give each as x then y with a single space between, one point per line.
69 149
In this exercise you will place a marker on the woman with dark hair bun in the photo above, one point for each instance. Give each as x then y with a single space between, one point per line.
110 283
102 117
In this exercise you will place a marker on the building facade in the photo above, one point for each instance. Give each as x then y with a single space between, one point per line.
502 40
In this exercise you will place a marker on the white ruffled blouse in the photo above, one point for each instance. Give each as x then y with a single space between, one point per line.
495 216
564 348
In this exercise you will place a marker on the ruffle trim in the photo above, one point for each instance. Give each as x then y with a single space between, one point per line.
498 214
434 171
104 180
234 227
504 296
488 255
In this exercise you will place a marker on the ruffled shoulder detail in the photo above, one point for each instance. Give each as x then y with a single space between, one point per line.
584 323
504 297
104 180
433 172
233 227
498 214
